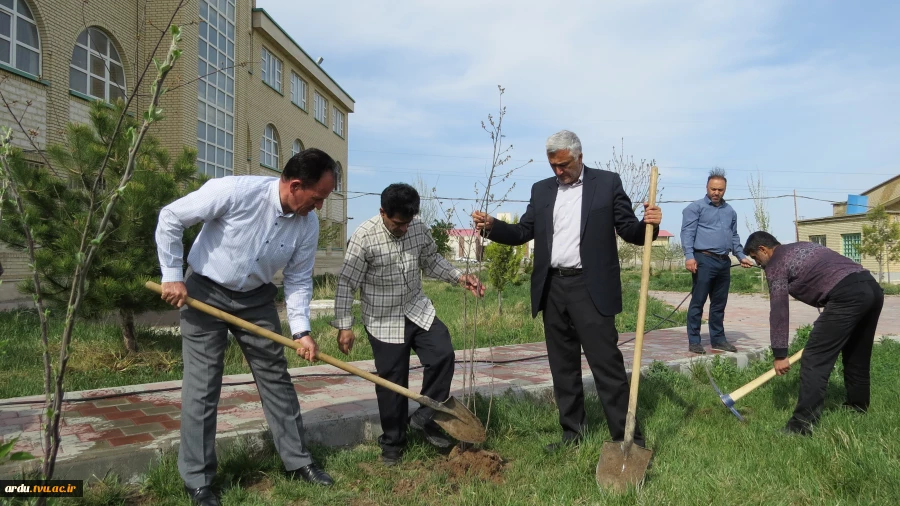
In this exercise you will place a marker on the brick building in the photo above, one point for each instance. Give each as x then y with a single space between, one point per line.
244 93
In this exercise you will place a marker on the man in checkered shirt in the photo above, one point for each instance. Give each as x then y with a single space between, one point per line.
384 259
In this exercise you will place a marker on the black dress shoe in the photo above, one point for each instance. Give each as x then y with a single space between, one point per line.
391 458
431 430
724 346
561 445
202 496
313 474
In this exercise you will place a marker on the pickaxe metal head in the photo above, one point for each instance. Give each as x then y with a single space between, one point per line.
725 398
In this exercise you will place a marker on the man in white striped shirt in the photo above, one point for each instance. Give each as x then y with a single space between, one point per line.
252 227
384 259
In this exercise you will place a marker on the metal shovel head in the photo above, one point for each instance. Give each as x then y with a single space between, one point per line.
459 422
619 468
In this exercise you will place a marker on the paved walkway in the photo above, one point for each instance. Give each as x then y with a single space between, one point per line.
113 427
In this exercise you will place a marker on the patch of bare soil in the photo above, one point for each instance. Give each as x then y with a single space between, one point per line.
473 463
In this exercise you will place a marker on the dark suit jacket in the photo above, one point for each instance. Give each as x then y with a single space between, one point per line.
605 212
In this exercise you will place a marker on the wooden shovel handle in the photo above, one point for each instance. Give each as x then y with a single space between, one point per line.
630 420
753 385
290 343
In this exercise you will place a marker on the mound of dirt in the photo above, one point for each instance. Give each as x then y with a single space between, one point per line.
474 463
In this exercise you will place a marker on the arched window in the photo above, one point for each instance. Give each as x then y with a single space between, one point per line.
268 148
297 147
20 45
96 68
338 178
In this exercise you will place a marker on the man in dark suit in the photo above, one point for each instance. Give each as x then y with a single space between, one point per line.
574 218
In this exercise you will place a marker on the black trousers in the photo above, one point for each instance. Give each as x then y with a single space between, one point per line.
846 327
572 323
435 350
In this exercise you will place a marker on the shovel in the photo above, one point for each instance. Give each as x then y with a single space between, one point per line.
451 414
624 464
729 399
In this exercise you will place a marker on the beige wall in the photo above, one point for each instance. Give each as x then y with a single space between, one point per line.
887 192
834 228
132 26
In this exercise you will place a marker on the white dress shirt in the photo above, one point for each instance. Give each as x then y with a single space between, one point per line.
246 238
566 250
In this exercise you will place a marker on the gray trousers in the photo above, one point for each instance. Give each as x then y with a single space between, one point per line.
204 339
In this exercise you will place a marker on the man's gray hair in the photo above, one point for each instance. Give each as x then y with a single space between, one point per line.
564 140
717 173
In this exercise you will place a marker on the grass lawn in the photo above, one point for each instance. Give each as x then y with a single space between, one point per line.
702 454
97 357
679 280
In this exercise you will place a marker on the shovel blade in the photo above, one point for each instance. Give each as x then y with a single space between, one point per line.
619 469
459 422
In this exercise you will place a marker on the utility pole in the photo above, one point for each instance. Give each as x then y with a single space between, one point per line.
796 219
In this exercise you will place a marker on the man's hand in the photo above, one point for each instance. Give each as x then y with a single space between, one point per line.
746 263
691 265
482 220
782 366
471 283
175 293
345 340
308 348
652 214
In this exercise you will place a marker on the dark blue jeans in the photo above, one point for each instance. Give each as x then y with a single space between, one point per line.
712 280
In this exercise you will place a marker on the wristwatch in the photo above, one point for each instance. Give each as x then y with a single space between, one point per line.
300 335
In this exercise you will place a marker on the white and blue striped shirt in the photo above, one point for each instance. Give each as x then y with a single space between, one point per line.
246 238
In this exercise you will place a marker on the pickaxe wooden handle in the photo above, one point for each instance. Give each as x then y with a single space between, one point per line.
753 385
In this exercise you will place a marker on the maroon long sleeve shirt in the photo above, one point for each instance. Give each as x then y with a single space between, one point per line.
807 272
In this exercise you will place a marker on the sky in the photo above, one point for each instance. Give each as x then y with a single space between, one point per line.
802 94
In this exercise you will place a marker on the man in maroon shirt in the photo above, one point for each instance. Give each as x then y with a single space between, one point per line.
852 303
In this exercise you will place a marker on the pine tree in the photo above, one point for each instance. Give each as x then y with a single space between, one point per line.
58 205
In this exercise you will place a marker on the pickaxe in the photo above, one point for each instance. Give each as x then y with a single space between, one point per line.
729 399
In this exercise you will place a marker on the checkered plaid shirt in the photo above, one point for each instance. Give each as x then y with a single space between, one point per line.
386 269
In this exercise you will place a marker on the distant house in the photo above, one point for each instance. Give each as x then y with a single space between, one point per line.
842 231
468 245
663 239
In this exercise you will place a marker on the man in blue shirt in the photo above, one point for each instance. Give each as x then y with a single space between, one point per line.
708 235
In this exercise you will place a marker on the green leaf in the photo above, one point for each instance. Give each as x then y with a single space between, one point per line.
6 447
19 456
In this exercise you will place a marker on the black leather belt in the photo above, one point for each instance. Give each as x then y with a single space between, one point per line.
565 271
714 255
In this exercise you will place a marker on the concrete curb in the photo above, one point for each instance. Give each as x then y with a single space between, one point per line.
130 463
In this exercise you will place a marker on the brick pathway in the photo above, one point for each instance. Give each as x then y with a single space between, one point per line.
142 417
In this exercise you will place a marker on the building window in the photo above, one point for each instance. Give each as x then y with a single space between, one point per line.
321 105
96 68
296 147
268 148
298 91
215 89
20 45
271 69
818 239
337 121
851 243
338 177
